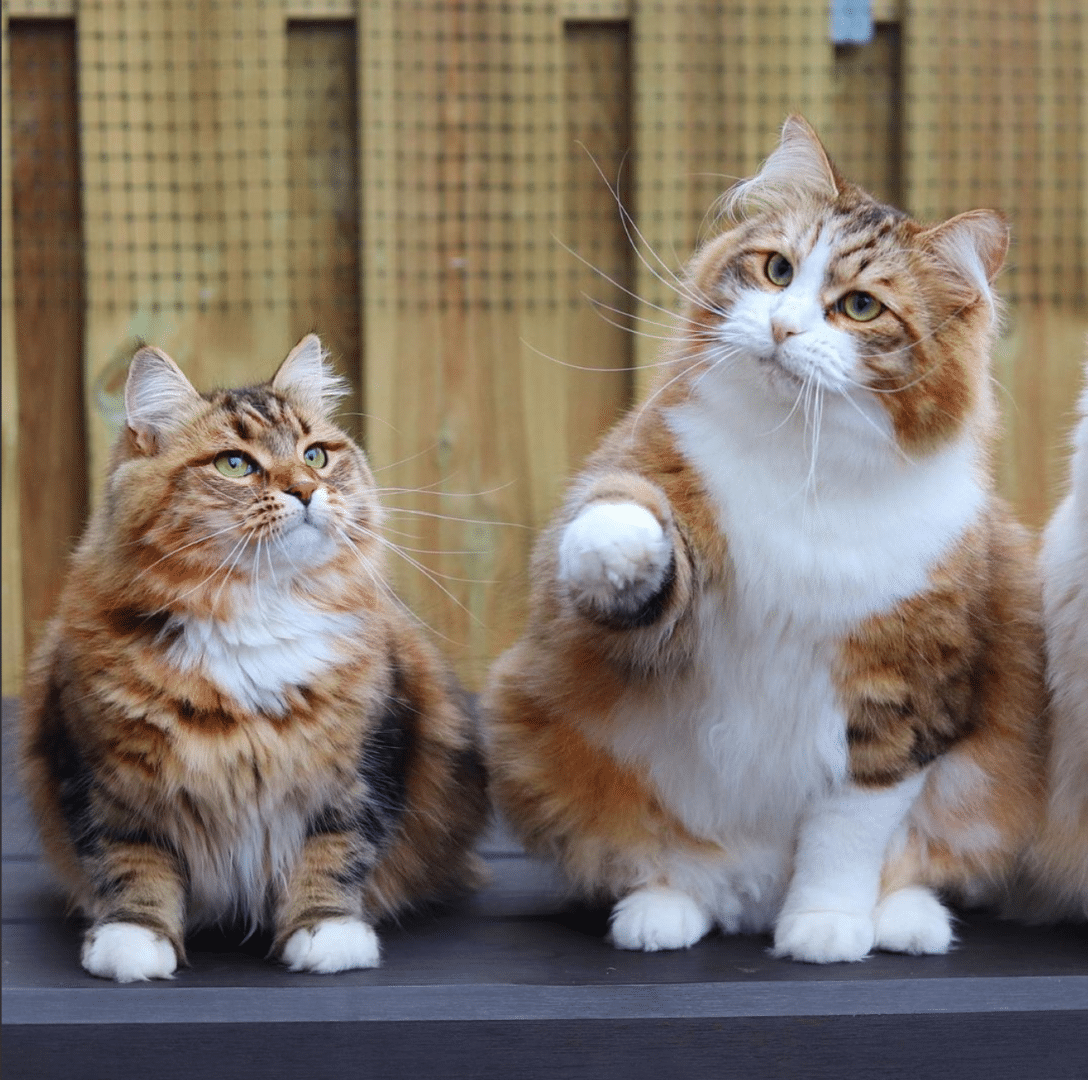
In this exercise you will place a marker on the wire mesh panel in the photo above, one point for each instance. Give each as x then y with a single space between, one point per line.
482 207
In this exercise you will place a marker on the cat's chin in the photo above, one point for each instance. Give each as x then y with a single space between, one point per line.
304 547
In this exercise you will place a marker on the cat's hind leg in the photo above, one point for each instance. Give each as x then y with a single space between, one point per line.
912 920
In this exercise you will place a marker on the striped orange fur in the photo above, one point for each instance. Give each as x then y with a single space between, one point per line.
231 716
782 668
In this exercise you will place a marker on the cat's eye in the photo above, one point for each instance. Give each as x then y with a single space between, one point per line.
860 306
779 270
234 465
315 457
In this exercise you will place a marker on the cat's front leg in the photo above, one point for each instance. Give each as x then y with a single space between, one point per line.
616 562
829 913
320 924
137 911
658 917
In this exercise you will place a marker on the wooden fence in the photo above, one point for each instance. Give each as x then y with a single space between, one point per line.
427 184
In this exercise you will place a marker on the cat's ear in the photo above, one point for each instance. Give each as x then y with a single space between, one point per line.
799 166
307 378
970 250
158 397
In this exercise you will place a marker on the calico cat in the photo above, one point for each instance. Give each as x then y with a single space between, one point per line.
782 668
231 718
1057 865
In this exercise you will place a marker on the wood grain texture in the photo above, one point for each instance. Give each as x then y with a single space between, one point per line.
322 270
11 549
47 281
185 194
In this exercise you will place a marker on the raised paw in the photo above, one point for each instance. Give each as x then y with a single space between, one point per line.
823 937
127 952
613 558
913 921
658 918
332 945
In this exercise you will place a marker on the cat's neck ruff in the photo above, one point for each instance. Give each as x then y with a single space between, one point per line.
832 540
272 642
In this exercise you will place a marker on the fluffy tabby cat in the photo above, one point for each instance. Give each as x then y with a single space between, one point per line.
783 663
1058 862
231 717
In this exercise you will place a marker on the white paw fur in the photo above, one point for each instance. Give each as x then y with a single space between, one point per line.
128 952
658 918
613 552
823 937
333 945
913 921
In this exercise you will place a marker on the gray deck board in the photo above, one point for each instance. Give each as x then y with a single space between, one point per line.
516 981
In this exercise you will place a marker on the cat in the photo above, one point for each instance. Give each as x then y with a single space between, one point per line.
1056 869
782 666
231 719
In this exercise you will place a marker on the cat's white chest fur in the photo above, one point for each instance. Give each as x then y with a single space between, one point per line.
276 642
743 746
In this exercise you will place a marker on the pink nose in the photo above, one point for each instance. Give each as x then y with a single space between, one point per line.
780 331
302 490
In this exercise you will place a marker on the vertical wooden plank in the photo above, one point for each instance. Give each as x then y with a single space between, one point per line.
600 169
47 264
422 151
11 552
995 109
464 288
864 130
323 190
185 172
713 84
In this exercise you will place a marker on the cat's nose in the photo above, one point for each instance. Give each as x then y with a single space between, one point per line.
780 330
303 491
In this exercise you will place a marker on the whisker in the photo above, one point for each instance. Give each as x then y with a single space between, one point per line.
454 517
392 596
184 547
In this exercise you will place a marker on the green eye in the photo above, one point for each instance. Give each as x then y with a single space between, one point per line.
231 463
315 457
860 306
779 270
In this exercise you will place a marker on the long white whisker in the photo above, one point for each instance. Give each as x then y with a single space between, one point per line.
192 543
381 584
200 584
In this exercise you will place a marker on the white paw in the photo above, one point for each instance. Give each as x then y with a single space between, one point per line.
613 554
659 918
823 937
333 945
128 952
913 921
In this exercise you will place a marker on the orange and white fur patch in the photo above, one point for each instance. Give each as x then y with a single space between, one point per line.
782 668
1057 866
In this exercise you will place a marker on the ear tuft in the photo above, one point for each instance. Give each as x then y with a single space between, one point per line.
158 397
799 165
971 247
308 379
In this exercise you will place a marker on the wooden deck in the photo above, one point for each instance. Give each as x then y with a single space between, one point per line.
518 983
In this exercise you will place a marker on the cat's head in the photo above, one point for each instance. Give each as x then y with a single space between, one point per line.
818 285
255 486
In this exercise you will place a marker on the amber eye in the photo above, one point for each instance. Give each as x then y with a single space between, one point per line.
234 465
315 457
779 270
860 306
